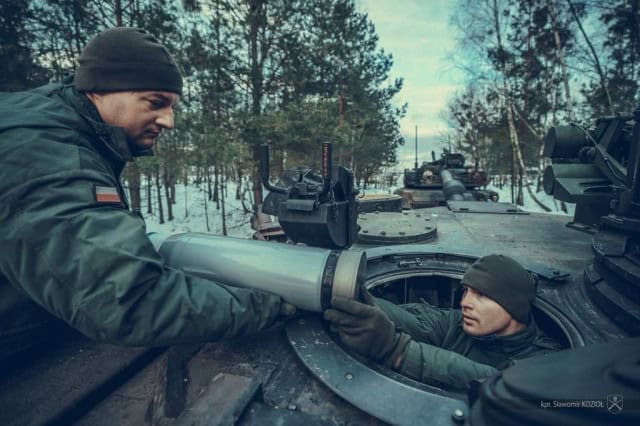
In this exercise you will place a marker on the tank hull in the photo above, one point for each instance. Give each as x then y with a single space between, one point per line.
264 378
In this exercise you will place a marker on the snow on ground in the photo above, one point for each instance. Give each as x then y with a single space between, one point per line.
530 205
238 223
193 218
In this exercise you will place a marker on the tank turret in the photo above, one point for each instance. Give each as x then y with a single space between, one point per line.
298 372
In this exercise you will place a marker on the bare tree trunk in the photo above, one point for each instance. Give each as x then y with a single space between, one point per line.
513 135
246 193
118 12
222 201
185 182
186 209
603 80
207 174
206 213
167 193
513 177
216 192
132 174
198 179
561 60
518 163
239 185
256 182
149 197
518 168
540 167
256 12
520 198
160 210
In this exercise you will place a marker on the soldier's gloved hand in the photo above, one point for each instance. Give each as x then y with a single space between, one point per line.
287 310
366 297
366 329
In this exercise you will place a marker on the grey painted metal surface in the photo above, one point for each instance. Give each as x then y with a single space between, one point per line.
484 207
418 254
370 390
370 203
395 228
293 272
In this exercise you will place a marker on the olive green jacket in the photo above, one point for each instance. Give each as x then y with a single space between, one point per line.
63 254
441 353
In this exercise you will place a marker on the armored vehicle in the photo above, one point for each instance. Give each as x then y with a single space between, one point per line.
438 181
297 372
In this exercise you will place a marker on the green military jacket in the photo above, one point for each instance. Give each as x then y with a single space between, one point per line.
441 353
65 255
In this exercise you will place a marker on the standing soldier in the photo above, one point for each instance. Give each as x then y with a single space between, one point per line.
70 247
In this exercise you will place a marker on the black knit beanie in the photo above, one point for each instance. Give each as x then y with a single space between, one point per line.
505 281
124 58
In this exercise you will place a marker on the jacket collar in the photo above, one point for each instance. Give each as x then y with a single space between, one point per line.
513 342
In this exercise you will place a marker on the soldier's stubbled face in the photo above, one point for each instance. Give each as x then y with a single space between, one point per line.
142 114
483 316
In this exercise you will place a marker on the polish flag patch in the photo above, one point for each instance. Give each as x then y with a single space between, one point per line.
107 195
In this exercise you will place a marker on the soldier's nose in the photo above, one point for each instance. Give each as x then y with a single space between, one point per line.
464 302
166 119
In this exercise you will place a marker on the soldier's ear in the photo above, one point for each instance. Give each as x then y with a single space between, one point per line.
98 100
95 98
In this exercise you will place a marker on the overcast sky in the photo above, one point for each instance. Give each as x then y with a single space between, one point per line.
418 35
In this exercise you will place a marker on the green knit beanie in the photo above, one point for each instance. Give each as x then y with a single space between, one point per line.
124 58
505 281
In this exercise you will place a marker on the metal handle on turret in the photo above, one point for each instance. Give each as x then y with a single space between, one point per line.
264 171
327 167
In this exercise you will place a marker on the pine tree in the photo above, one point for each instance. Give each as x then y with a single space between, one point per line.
19 69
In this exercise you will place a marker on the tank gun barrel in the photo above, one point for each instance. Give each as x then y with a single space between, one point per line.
453 189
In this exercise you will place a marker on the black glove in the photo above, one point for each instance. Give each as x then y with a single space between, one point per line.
287 310
366 329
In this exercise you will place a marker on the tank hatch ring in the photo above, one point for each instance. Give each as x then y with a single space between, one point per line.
405 400
353 380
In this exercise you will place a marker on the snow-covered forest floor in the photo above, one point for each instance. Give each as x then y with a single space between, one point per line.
530 205
189 210
189 213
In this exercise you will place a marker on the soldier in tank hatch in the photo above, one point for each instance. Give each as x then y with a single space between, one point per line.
449 347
